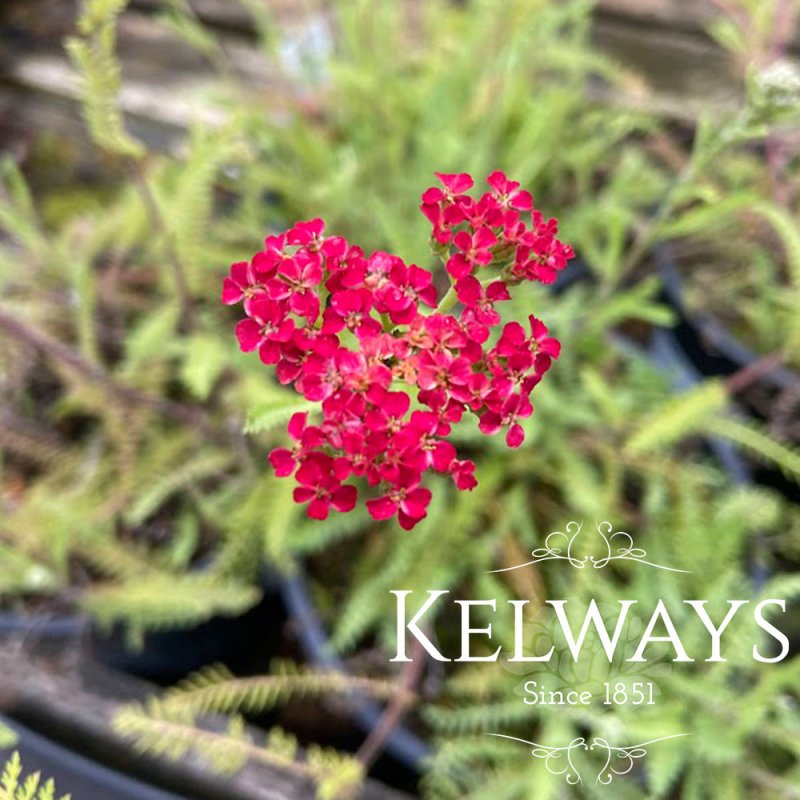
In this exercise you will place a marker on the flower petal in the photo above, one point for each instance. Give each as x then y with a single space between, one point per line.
381 508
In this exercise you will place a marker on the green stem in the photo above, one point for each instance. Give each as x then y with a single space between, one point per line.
448 301
159 223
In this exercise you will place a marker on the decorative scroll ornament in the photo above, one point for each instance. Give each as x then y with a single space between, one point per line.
560 546
618 760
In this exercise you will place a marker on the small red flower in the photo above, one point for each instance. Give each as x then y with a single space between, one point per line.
324 373
454 188
512 375
442 370
321 489
483 213
267 328
244 283
508 193
405 289
463 473
474 392
423 447
297 281
474 251
350 309
308 234
306 438
388 413
514 339
479 313
406 499
513 410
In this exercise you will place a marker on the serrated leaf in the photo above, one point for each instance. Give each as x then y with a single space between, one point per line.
636 303
154 495
161 601
272 413
146 342
760 444
205 357
679 417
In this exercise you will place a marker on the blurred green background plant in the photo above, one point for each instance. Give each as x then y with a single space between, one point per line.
134 435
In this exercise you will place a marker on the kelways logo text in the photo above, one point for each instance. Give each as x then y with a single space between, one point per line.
660 628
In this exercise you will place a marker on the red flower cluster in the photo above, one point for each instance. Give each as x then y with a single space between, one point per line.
347 330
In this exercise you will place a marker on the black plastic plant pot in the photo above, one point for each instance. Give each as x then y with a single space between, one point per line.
83 778
713 351
243 643
707 343
43 632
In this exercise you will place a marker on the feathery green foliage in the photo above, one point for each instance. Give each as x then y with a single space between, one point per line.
162 601
753 439
93 53
680 416
14 787
172 733
216 690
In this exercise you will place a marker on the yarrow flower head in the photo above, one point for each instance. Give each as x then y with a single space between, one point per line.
390 371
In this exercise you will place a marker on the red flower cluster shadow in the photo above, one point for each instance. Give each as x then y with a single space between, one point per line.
347 330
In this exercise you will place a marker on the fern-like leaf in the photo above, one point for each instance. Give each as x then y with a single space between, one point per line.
752 438
215 690
159 601
163 731
679 417
274 412
94 56
13 787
